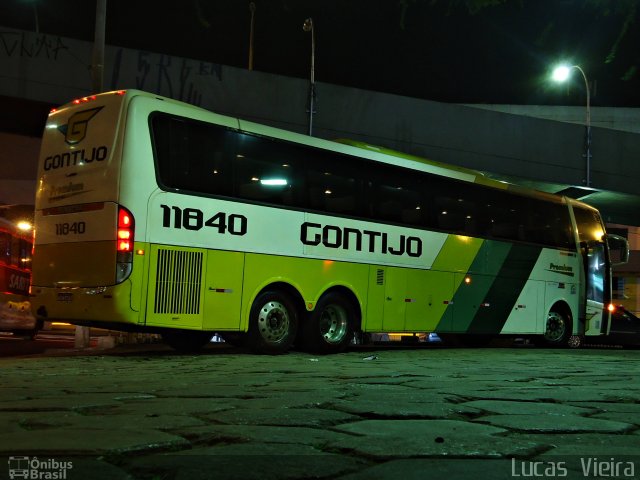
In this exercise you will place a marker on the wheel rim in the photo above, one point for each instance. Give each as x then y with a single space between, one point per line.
556 327
575 341
273 322
334 324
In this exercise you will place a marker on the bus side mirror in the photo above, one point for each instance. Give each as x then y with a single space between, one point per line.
618 249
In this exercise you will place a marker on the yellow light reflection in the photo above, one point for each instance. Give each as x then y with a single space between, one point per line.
24 226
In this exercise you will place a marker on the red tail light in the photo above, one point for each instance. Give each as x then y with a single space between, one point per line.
125 230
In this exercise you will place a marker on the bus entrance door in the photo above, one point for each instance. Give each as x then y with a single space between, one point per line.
597 317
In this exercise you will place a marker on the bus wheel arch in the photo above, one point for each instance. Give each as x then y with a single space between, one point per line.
558 325
329 328
274 319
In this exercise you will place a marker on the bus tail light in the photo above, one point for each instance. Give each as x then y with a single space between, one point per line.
124 244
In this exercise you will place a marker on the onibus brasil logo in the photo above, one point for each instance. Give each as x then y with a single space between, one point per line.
37 469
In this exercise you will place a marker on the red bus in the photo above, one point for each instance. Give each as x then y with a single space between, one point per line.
15 276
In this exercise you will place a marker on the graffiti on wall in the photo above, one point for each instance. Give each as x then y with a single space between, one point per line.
29 45
173 77
179 78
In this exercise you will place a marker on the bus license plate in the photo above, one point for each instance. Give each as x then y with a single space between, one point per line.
65 297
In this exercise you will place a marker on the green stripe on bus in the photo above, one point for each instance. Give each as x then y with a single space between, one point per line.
505 290
470 296
457 254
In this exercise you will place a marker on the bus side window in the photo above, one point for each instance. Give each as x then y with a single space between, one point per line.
15 251
211 155
334 183
332 191
170 141
193 156
397 198
265 170
5 248
25 254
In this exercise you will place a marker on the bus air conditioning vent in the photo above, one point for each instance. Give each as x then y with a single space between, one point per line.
178 282
380 277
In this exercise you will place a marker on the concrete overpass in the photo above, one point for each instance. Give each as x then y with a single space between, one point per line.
531 145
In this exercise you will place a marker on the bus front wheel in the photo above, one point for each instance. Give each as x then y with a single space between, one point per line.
273 323
558 329
329 328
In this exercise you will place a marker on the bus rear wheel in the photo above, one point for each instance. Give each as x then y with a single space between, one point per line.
558 329
273 323
329 328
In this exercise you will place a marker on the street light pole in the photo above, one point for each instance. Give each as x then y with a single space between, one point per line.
252 9
588 126
560 74
82 338
308 27
97 63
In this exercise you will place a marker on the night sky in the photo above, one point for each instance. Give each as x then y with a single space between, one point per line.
441 50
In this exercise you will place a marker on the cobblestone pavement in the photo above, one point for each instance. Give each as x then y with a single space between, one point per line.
144 412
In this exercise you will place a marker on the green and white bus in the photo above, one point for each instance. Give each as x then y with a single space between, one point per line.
155 215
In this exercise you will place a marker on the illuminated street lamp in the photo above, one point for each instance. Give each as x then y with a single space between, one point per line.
308 27
561 74
24 226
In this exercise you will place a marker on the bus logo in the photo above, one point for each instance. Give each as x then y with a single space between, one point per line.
75 131
561 269
18 467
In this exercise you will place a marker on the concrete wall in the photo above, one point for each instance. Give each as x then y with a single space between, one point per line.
55 69
625 119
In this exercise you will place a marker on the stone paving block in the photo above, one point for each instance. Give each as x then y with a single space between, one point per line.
61 402
544 394
555 423
619 417
168 406
422 438
215 434
301 417
394 407
527 407
140 420
21 421
600 443
249 461
282 399
603 407
85 441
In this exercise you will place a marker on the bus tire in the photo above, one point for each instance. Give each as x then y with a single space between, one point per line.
329 328
558 329
273 323
186 341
